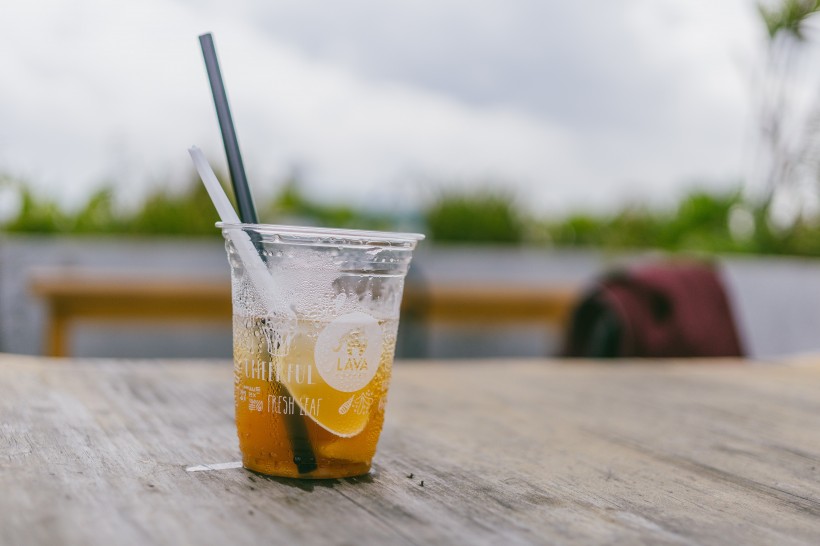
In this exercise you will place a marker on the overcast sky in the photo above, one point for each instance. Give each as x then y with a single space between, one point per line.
567 104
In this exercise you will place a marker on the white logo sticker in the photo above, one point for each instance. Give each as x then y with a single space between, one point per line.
348 351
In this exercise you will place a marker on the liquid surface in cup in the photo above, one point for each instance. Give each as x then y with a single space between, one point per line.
329 377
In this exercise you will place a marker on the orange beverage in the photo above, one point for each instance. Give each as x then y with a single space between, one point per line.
315 318
275 383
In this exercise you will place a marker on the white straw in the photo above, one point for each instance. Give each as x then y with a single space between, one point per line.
248 254
223 206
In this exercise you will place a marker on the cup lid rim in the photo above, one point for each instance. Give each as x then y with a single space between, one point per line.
310 231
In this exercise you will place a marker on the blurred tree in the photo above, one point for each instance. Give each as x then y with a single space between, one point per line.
483 217
98 215
184 212
789 156
701 223
292 206
38 215
189 212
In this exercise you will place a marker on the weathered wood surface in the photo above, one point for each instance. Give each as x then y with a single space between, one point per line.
94 452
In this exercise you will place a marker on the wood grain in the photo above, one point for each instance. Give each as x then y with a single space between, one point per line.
94 452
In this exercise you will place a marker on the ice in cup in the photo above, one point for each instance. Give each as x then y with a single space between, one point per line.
312 362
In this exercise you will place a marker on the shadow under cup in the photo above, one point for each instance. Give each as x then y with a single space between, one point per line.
315 316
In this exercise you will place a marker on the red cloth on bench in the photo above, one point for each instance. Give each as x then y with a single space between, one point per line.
657 311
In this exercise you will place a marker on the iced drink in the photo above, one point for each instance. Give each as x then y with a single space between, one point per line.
311 374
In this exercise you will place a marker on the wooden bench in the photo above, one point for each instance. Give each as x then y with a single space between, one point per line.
74 296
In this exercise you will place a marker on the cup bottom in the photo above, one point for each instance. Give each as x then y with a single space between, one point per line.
340 469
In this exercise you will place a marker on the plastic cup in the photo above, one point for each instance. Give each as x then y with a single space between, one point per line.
312 361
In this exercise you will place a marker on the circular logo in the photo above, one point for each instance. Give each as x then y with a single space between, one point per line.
348 351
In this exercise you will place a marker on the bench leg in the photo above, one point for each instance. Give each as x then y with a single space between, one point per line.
57 334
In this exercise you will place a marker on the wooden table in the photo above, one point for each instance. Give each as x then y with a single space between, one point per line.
95 452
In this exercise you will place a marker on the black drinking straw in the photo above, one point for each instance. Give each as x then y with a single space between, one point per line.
303 456
247 211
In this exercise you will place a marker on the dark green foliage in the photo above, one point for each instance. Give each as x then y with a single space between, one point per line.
189 213
291 202
291 205
482 217
699 223
98 215
38 215
178 213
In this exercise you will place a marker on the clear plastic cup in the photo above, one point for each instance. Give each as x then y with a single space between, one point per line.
312 358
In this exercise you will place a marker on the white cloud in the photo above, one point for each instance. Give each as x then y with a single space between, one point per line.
645 97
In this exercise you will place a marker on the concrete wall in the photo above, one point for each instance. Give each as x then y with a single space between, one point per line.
776 301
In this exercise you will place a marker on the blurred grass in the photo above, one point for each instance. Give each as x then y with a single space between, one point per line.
702 222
